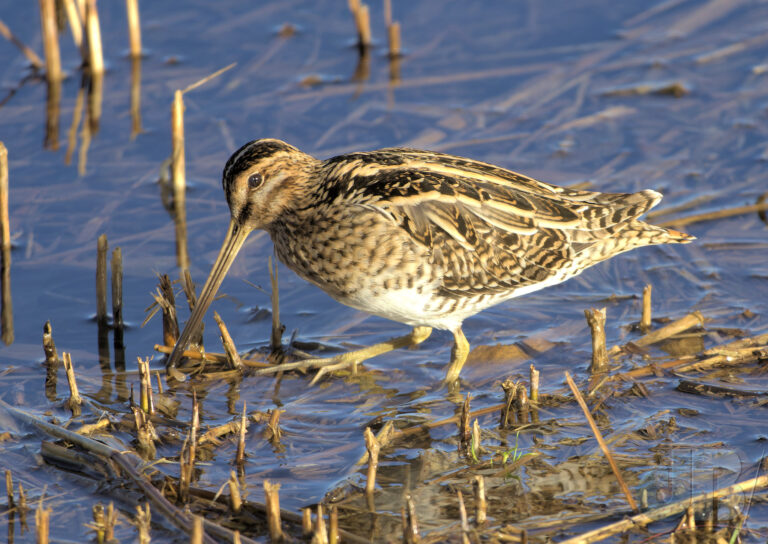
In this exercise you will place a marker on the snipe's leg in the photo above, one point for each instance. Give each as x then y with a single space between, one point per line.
344 360
458 356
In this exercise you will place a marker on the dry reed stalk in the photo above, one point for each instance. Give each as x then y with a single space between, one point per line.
5 221
167 301
373 447
146 396
276 338
463 519
333 525
362 23
321 534
272 500
272 431
42 523
534 384
395 47
240 455
134 26
49 347
235 501
228 343
522 404
683 324
101 280
476 451
75 23
596 321
645 319
6 319
481 505
601 442
212 357
411 528
306 521
189 448
74 395
32 57
465 433
9 488
93 34
117 289
197 531
22 506
506 416
143 523
178 176
50 40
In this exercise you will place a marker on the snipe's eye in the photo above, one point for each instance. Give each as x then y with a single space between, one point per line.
255 181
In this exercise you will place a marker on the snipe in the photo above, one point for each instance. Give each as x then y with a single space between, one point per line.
419 237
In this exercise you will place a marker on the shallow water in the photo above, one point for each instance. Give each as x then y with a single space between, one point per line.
544 88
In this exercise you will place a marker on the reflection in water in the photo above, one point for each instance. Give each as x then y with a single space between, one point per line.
52 105
77 113
95 91
135 97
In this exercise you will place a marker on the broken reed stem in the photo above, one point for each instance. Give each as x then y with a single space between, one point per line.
134 27
276 339
190 449
32 57
167 301
143 521
601 442
9 489
510 393
463 518
523 407
476 439
42 523
101 280
481 505
645 319
272 431
74 395
177 143
373 447
147 402
240 455
465 433
596 321
117 289
534 396
235 501
75 24
272 500
393 32
333 525
321 534
691 320
197 530
50 40
362 23
306 521
228 343
5 221
93 33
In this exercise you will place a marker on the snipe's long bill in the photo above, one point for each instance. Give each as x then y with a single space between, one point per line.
419 237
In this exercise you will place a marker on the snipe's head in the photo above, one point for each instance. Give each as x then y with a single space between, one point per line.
261 180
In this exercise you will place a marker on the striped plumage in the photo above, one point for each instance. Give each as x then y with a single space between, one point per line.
420 237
